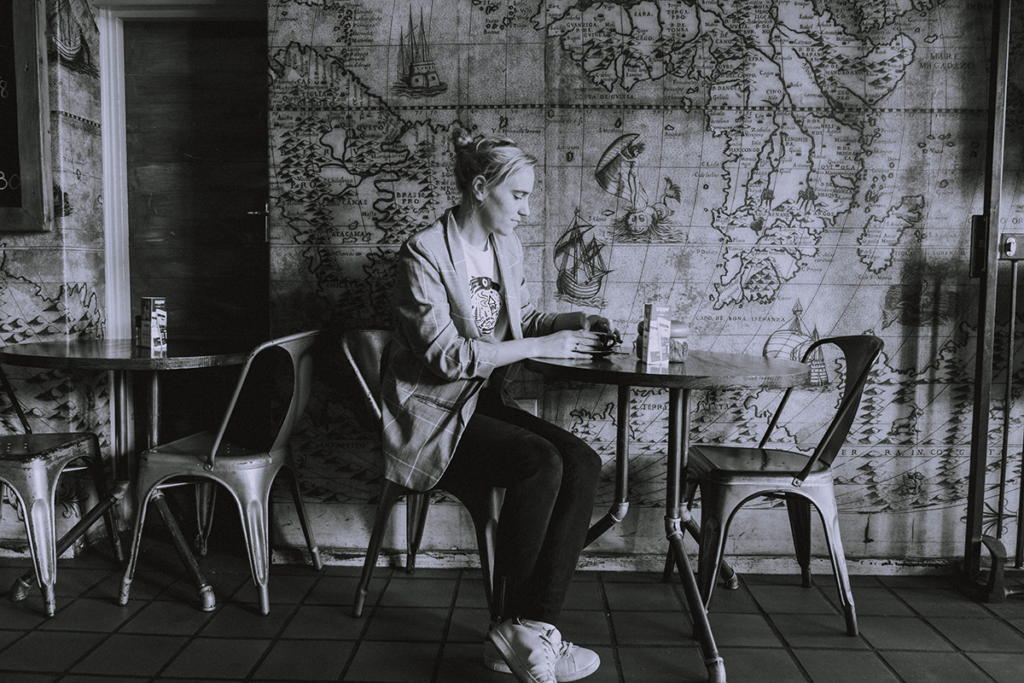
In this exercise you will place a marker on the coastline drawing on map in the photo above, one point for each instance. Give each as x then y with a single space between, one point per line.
581 268
417 71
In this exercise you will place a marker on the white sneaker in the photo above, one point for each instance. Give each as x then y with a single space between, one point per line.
571 663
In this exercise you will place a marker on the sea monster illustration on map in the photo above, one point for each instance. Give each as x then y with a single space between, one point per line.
616 173
417 71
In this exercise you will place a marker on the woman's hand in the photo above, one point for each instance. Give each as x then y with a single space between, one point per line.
598 323
569 344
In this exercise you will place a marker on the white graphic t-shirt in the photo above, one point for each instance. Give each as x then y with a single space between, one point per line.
485 291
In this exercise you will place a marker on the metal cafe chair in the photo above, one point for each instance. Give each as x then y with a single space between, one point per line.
30 465
729 476
363 350
244 463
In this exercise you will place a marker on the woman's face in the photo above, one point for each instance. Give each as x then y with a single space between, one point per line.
504 206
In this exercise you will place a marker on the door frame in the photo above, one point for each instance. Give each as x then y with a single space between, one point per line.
110 16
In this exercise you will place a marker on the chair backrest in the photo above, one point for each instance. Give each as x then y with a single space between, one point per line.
15 403
299 349
860 352
363 349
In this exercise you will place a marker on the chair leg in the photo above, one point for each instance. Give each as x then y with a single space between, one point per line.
417 507
799 509
485 513
252 509
133 549
830 517
714 520
206 500
39 527
106 502
23 584
104 494
389 493
300 510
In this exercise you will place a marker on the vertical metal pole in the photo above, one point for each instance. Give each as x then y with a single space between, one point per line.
988 277
154 409
1007 403
622 451
1019 554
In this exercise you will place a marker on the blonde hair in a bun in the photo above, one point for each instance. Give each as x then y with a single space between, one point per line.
491 156
461 137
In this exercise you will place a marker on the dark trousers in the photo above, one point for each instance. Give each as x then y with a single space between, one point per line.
550 479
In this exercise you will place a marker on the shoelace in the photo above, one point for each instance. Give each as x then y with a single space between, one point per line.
549 655
564 648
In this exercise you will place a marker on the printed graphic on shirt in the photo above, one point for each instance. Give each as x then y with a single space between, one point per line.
486 294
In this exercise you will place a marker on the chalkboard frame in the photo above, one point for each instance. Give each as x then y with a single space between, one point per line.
32 88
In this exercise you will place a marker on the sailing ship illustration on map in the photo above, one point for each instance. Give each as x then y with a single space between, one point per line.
581 268
66 39
417 71
791 341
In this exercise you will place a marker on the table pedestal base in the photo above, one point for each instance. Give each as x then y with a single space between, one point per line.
206 596
701 626
727 573
702 370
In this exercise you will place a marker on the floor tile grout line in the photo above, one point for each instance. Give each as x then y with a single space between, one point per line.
106 636
899 595
368 618
276 638
927 622
783 641
219 605
610 623
446 630
680 592
62 605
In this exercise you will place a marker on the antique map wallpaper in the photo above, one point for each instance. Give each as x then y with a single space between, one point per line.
774 171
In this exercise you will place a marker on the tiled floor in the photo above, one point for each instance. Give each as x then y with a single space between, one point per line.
430 626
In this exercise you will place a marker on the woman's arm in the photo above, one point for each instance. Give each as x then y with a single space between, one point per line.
562 344
425 319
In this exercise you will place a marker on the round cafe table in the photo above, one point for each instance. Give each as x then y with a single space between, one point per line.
122 357
701 370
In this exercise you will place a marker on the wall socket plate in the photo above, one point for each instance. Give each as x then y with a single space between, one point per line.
1011 246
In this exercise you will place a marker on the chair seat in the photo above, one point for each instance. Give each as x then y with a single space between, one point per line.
738 464
198 446
25 448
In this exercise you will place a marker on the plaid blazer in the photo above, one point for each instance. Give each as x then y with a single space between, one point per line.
432 373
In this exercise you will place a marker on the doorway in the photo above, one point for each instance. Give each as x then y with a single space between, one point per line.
197 187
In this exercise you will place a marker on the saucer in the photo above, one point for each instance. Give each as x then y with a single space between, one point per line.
604 353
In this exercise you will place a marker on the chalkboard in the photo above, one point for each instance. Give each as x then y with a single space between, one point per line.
26 186
10 158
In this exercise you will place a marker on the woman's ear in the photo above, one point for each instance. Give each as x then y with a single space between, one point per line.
478 188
